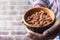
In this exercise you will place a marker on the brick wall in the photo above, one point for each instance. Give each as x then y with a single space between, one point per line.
11 13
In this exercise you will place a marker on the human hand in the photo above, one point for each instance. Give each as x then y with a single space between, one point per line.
50 33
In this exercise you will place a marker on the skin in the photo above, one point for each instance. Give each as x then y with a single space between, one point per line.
48 34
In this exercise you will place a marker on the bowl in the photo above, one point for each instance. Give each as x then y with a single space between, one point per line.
37 9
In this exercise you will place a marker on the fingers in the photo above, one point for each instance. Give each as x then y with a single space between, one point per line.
35 36
54 30
49 33
33 33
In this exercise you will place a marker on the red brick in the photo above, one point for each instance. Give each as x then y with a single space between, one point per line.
4 33
6 38
18 33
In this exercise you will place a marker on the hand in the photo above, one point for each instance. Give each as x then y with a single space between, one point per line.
50 33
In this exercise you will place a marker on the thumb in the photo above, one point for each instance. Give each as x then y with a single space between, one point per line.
54 29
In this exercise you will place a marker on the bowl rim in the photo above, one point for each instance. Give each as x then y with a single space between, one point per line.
27 24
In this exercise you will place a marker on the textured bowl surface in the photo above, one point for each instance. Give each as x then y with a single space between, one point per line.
37 9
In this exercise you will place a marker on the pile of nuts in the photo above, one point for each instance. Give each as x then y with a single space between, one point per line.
39 19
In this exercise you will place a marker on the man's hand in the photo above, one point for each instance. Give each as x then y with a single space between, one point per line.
50 33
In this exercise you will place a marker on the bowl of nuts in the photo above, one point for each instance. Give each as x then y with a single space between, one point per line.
38 19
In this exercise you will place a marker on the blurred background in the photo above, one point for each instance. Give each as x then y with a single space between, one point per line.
11 13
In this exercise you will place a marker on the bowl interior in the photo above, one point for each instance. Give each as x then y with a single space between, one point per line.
37 9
